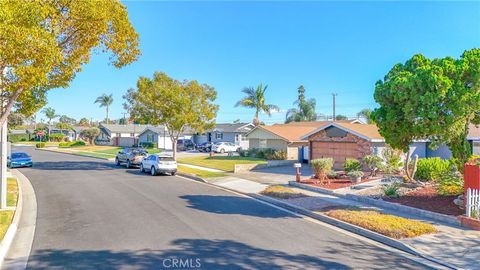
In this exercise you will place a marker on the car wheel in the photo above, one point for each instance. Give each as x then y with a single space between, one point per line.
152 171
173 173
117 162
222 151
141 168
128 164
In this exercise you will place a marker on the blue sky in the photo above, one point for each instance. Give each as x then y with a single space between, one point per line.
341 47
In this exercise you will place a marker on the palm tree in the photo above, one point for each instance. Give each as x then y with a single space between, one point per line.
50 114
305 110
105 101
255 98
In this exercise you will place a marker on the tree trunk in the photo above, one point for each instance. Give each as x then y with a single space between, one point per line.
107 115
174 147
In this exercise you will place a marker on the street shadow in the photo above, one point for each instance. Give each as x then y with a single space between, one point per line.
137 172
192 253
233 205
73 165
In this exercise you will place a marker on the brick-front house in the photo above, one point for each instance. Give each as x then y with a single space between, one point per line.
340 140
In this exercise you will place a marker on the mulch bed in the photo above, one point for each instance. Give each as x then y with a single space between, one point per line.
427 198
334 183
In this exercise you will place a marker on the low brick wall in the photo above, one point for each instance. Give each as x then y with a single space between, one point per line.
270 163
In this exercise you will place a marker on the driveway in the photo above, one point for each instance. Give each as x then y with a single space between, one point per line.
92 214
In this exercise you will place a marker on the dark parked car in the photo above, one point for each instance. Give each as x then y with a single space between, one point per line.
185 144
19 159
130 157
205 147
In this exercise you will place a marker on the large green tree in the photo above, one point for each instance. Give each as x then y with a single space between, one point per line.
105 101
176 104
255 98
305 110
44 43
430 99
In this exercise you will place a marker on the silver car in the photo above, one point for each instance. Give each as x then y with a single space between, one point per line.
156 164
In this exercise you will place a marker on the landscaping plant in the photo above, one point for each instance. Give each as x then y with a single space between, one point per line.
356 176
40 145
351 165
373 163
321 167
393 160
391 190
281 192
431 169
451 182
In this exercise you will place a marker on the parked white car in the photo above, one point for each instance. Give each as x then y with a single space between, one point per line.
156 164
222 147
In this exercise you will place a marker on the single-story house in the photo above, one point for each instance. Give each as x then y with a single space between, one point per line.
287 137
159 135
227 132
119 135
340 140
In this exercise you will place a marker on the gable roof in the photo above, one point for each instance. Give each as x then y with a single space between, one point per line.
366 131
289 133
233 127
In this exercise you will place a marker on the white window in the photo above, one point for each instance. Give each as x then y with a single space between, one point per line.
262 143
132 134
219 136
476 148
149 137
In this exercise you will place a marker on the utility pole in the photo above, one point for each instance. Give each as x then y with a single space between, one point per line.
334 95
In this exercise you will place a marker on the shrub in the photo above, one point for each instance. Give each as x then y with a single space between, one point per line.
275 155
391 190
321 167
389 225
40 145
352 165
281 192
393 160
450 183
149 145
267 153
332 174
355 174
431 169
243 153
56 137
13 138
71 144
373 163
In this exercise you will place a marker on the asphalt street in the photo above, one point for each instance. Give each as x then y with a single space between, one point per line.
92 214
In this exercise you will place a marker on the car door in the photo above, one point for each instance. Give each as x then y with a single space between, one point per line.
123 155
147 163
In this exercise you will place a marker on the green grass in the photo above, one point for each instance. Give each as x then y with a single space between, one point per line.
12 191
5 220
12 197
35 142
223 163
388 225
198 172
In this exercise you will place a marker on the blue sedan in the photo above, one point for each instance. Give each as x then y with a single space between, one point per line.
19 159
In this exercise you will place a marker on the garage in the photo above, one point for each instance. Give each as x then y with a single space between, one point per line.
339 151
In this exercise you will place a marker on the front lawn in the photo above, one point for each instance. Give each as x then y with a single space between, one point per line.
93 154
12 197
198 172
224 163
388 225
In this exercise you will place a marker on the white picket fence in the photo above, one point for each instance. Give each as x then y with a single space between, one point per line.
473 203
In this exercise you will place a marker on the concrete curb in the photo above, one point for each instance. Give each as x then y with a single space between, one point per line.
380 203
12 229
351 228
191 176
73 154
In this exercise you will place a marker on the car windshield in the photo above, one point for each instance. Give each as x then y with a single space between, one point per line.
19 155
166 158
139 152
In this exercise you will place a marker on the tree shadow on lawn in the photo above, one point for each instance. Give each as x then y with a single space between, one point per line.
233 205
73 165
211 254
